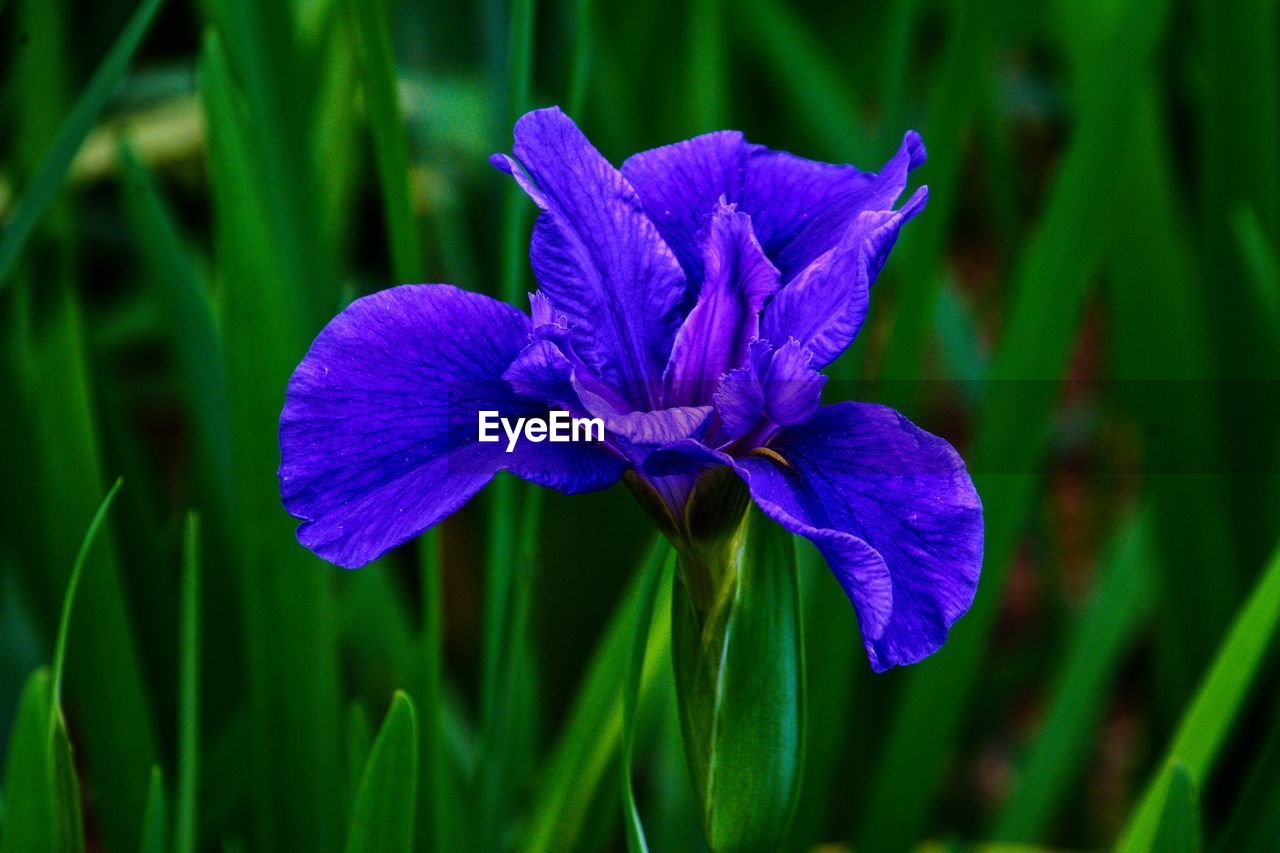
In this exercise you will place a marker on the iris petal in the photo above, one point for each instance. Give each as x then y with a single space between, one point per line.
598 258
378 437
714 337
857 475
800 208
824 306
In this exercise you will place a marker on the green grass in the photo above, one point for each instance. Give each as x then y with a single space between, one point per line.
191 190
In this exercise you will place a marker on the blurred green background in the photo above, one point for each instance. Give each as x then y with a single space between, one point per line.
1089 308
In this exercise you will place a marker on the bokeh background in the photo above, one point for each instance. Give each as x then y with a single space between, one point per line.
1089 308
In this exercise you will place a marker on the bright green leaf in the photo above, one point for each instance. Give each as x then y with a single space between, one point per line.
1207 720
382 820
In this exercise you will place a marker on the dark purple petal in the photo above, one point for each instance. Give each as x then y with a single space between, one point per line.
894 512
739 395
824 306
713 339
792 389
541 371
378 437
777 384
680 185
599 259
802 208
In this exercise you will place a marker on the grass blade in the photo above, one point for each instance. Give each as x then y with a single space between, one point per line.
275 305
155 816
382 819
42 809
42 803
386 125
77 568
185 832
953 104
52 170
439 803
654 570
580 65
1207 720
567 791
1179 830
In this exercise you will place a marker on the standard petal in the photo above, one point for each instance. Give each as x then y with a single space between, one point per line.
680 185
713 339
379 432
824 306
599 259
885 502
802 208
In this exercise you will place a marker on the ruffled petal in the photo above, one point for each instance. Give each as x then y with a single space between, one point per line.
792 389
894 512
777 384
824 306
598 258
680 185
379 432
713 339
802 207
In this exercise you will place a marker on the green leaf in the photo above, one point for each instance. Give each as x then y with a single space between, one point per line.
42 809
739 668
52 170
266 246
567 790
155 816
655 568
383 820
1179 830
42 803
103 671
386 124
509 697
185 832
439 800
77 568
1221 697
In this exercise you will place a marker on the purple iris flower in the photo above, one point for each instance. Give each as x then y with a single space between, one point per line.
688 302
